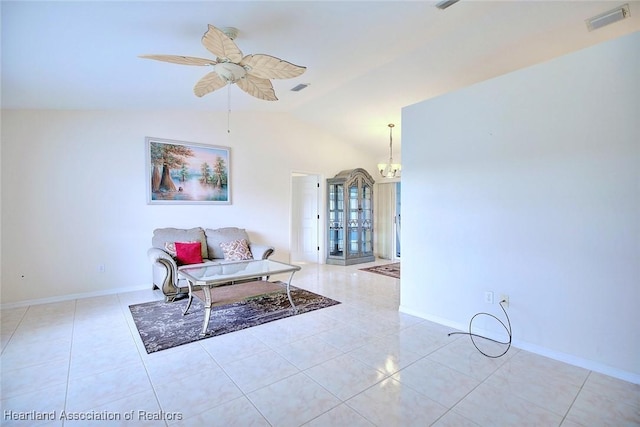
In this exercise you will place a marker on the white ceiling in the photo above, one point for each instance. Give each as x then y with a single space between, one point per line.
365 59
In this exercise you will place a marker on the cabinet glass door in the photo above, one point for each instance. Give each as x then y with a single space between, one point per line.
354 220
336 217
367 220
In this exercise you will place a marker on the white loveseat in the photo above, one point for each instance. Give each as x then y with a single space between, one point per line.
165 266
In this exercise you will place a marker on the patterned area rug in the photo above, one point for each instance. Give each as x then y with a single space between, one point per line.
391 270
161 325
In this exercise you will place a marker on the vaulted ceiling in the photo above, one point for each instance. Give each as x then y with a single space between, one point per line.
365 59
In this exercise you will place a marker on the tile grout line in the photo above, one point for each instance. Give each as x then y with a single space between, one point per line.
73 330
139 351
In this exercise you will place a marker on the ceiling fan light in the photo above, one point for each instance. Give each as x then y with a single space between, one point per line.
229 71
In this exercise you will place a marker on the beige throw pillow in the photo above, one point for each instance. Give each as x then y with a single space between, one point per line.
236 250
170 248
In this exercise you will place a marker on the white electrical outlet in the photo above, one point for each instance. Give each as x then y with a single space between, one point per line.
101 268
488 297
505 298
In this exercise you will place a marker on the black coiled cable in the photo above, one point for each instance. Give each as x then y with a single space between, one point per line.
472 335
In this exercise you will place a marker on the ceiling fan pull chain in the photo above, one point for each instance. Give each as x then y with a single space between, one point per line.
228 108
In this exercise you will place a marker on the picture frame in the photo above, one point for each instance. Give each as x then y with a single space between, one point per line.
180 172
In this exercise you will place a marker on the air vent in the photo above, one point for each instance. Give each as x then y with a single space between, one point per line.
299 87
446 3
615 15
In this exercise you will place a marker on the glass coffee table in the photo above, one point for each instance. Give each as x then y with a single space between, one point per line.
210 276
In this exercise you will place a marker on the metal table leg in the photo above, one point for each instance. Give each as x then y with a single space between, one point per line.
190 297
207 309
289 291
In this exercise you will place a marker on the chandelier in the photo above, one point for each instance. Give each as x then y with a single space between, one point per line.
390 170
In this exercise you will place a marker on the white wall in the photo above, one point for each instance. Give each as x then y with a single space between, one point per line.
529 185
74 191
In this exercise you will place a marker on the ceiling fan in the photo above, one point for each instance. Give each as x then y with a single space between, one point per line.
251 72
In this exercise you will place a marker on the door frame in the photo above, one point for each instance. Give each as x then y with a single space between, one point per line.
389 243
320 215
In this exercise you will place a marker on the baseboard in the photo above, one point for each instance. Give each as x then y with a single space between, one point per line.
536 349
69 297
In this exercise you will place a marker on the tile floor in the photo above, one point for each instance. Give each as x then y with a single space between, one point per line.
360 363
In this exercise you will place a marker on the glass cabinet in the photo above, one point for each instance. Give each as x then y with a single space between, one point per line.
350 228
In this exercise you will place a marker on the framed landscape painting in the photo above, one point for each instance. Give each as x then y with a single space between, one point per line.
187 173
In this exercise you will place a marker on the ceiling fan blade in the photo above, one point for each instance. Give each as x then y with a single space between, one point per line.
270 67
182 60
208 84
221 45
255 86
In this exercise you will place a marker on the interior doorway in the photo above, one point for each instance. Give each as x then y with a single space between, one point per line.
305 218
388 220
397 220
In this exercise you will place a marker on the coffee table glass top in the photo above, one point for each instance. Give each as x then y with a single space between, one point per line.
236 270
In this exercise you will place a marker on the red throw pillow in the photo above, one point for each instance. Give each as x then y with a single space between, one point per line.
188 253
